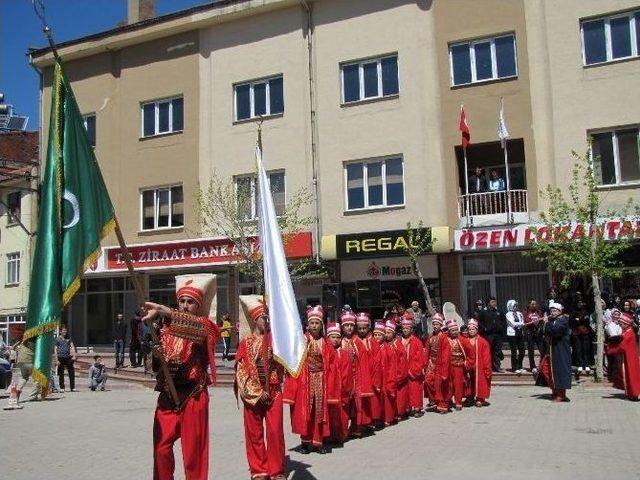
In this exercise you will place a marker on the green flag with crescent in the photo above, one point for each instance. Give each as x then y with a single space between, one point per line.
75 213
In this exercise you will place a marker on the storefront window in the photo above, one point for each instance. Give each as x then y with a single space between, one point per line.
477 265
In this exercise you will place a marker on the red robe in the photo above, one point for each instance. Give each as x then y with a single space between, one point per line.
375 401
359 407
188 351
389 367
478 353
402 395
310 394
252 381
415 366
339 413
627 377
457 373
438 352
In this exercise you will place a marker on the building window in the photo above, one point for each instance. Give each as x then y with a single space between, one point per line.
259 99
162 208
483 60
372 78
13 268
162 116
247 194
615 156
374 183
610 38
89 121
14 200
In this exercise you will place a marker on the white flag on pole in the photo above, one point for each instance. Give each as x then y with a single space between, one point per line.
503 133
289 342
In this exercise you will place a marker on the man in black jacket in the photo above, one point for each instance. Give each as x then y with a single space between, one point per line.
135 346
119 336
492 323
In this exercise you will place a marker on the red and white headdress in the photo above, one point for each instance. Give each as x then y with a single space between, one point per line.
348 318
390 325
379 327
472 323
333 329
201 287
437 318
407 320
316 312
452 325
252 307
363 318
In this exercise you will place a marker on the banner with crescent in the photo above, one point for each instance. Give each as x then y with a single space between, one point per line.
75 214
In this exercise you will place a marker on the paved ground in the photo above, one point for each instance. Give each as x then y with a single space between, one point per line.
94 435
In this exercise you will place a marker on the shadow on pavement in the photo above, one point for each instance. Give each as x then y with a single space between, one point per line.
299 470
615 396
543 396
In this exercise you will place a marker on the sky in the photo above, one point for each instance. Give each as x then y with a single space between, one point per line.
20 29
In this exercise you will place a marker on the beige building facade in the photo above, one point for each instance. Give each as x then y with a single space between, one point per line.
358 102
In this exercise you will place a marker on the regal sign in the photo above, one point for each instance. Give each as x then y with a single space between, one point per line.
372 244
522 235
210 251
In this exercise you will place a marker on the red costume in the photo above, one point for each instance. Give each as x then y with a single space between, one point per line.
187 343
257 376
415 368
478 353
627 375
389 367
457 362
402 393
438 353
362 387
369 351
310 394
338 413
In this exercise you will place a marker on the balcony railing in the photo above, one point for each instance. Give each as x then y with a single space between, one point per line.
493 207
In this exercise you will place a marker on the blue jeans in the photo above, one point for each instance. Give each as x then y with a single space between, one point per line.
119 346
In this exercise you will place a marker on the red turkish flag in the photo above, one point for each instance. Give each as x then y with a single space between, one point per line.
464 128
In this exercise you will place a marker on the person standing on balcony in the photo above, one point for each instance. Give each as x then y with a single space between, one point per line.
496 183
491 322
477 181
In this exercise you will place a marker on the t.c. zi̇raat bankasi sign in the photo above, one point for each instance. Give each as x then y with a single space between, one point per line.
211 251
373 244
523 235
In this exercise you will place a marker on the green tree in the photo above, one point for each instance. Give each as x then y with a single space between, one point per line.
581 252
224 210
419 242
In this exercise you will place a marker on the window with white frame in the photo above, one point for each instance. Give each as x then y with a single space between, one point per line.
371 78
14 206
483 60
609 38
259 98
162 116
616 157
162 208
374 183
89 121
247 194
13 268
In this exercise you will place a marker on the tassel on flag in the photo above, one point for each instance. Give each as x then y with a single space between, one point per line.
503 133
464 129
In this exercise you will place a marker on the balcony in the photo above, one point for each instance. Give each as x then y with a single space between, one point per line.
493 208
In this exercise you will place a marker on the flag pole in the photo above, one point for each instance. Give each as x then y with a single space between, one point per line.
503 142
142 298
466 186
38 7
